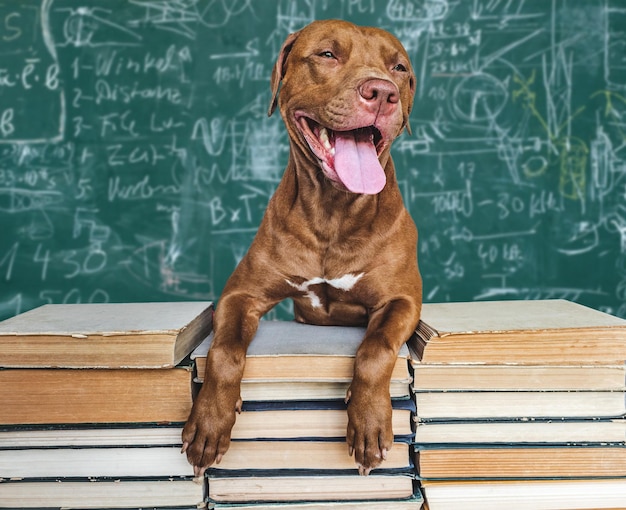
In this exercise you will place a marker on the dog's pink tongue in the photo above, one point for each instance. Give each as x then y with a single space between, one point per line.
356 162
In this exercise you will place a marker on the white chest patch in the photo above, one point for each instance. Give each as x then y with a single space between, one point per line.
345 283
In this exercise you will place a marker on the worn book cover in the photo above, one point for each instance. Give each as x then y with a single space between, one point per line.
520 431
520 332
171 492
253 488
476 405
526 494
110 335
72 396
515 461
309 419
290 351
460 377
263 455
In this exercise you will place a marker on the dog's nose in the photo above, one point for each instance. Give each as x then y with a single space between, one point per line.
379 91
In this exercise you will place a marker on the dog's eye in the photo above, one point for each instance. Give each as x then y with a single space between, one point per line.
401 68
326 54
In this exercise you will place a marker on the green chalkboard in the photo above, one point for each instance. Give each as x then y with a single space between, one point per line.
136 156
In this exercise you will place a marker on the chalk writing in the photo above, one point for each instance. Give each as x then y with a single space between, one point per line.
137 158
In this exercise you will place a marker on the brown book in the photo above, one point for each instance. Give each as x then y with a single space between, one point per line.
292 361
53 396
519 332
521 461
111 335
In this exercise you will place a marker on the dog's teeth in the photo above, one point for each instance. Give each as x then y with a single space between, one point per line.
324 139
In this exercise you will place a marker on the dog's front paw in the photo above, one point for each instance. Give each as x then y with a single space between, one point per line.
206 435
370 433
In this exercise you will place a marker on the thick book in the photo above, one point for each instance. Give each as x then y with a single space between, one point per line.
311 487
526 494
111 335
53 396
94 493
476 405
513 461
519 332
520 432
458 377
264 455
291 361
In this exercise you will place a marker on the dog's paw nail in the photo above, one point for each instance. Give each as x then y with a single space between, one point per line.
184 447
384 453
363 471
219 457
351 450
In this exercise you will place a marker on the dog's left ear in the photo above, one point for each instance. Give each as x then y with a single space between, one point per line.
279 70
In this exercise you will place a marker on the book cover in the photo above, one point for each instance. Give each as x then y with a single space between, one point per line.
103 493
526 494
309 419
110 335
520 432
53 396
288 351
318 486
513 461
413 503
94 435
476 405
459 377
264 455
268 389
521 332
88 462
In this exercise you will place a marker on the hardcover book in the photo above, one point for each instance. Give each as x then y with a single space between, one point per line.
71 396
111 335
519 332
289 350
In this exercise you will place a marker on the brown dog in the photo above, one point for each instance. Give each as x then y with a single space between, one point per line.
336 237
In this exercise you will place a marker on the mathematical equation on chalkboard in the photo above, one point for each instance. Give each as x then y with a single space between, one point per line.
137 158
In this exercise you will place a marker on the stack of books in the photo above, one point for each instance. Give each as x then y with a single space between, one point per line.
288 446
520 404
92 404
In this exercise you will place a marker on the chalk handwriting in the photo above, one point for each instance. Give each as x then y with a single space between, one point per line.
137 158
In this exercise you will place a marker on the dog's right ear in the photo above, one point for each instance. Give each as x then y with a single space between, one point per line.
279 70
